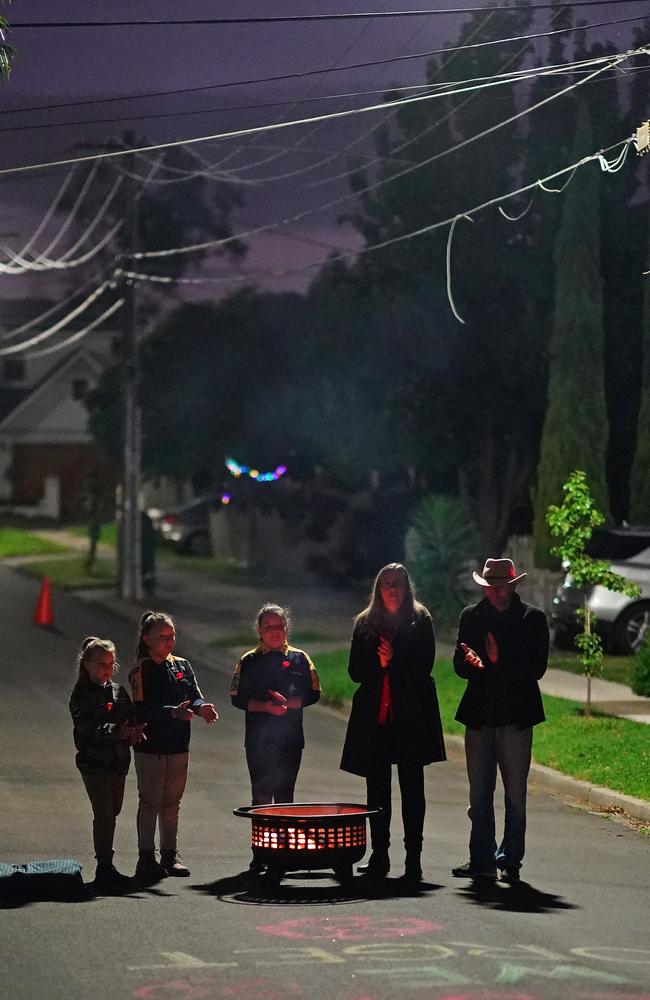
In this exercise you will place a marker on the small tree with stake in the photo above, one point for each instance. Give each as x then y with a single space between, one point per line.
572 524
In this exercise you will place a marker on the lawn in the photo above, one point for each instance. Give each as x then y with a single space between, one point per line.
246 640
615 668
15 542
71 574
107 534
603 750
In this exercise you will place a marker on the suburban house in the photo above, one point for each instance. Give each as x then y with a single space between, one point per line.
46 450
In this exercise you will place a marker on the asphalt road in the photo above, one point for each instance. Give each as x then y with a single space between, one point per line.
577 928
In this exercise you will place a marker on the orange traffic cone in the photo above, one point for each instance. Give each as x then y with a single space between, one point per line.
43 612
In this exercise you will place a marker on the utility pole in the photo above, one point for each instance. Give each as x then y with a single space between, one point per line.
130 536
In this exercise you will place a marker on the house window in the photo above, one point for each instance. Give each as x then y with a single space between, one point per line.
13 371
79 388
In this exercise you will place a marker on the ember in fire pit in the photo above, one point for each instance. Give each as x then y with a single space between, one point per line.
308 835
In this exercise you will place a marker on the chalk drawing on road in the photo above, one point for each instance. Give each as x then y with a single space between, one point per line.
357 928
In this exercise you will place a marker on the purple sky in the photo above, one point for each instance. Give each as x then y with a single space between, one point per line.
77 64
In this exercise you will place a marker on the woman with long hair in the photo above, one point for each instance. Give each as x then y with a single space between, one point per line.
395 717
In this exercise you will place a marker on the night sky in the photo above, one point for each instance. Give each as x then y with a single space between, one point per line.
58 66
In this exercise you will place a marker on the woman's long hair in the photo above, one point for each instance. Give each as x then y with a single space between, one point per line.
375 619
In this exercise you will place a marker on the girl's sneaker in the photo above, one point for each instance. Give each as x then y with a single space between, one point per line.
173 865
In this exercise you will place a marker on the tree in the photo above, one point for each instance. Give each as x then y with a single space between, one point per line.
173 209
572 524
640 477
7 52
575 425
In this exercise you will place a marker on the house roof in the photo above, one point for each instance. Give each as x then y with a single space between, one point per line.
23 396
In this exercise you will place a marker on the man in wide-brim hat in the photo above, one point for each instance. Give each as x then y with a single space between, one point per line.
502 651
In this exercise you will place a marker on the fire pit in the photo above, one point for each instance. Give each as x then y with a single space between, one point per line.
308 835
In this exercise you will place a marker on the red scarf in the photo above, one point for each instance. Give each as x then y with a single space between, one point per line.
385 716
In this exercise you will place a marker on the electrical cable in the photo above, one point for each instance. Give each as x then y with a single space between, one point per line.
37 320
60 324
304 73
307 18
540 183
63 265
383 181
76 336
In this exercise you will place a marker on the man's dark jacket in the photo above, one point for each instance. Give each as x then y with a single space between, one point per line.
507 691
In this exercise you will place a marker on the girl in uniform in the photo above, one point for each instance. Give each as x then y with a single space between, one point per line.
272 684
104 729
166 697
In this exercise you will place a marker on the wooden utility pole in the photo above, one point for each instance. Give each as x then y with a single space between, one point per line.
130 539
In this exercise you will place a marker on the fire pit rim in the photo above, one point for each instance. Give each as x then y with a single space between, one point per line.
362 811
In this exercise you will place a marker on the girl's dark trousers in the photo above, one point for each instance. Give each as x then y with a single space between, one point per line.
106 793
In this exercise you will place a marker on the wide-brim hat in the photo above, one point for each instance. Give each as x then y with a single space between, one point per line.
498 573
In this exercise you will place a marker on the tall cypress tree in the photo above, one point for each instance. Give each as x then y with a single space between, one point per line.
640 477
575 425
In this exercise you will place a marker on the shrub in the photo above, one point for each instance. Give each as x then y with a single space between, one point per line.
640 673
441 539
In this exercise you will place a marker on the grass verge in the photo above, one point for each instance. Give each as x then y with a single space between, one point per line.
15 542
72 574
107 533
604 750
615 668
246 640
223 572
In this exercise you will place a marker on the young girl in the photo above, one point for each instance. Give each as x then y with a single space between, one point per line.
272 684
395 717
104 730
166 698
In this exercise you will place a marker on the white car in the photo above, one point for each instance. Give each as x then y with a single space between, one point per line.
623 621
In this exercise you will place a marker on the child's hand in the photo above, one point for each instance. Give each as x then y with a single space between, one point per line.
293 701
471 657
182 712
132 732
384 652
208 713
277 704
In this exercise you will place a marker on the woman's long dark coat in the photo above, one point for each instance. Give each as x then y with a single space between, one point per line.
416 730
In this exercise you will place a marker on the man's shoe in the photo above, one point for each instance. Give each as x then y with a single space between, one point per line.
377 864
509 875
148 870
257 866
471 870
108 877
173 865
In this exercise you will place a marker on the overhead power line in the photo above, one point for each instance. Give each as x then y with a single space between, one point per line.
78 335
393 177
60 324
540 184
301 74
256 130
307 18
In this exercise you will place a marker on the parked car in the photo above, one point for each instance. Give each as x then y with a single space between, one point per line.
622 621
187 528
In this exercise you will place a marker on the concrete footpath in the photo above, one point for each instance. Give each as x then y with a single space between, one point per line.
208 611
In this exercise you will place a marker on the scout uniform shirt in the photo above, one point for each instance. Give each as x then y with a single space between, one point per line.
156 689
289 671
